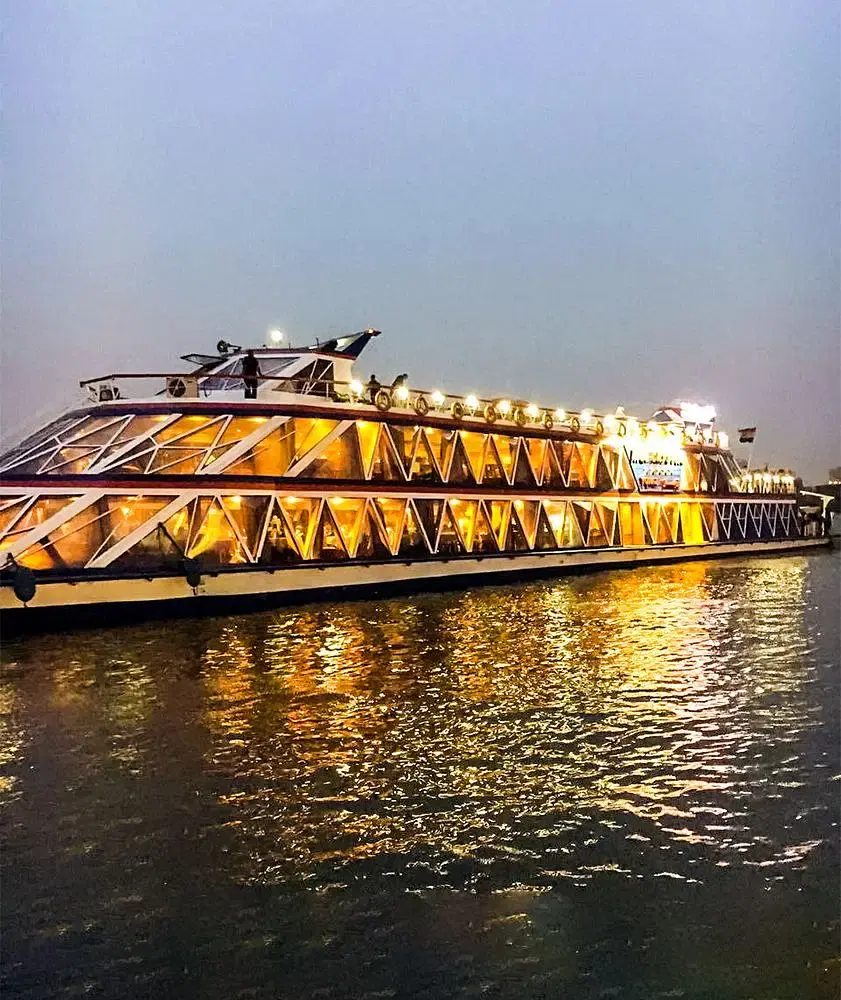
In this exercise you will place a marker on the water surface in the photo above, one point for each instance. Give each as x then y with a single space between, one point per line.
621 785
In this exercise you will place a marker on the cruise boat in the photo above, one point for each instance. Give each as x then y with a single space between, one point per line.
205 489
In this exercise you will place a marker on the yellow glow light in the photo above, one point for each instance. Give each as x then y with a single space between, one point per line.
236 501
437 397
532 412
586 416
471 402
611 423
356 387
633 426
504 407
126 511
560 415
402 393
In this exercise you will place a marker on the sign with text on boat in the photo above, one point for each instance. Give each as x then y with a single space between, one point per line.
657 472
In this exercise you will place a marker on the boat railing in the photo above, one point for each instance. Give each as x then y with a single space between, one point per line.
379 397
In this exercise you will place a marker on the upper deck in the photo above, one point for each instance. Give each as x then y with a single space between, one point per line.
208 422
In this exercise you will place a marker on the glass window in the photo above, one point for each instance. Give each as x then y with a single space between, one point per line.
215 540
413 541
577 464
449 540
424 466
72 544
302 516
126 514
690 518
279 545
484 539
506 448
35 515
523 475
474 448
327 541
500 514
536 448
582 510
429 513
347 513
386 465
526 511
492 473
372 542
249 515
339 460
391 514
631 526
270 456
543 536
465 513
515 539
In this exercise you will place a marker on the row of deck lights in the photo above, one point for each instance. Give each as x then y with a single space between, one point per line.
505 409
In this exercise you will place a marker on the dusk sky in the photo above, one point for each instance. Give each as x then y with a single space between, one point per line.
585 204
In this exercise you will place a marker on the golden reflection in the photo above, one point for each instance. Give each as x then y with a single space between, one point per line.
362 733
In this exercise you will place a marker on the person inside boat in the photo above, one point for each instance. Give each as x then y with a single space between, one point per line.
373 387
250 374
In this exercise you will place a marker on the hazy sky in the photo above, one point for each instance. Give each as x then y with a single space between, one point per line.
582 203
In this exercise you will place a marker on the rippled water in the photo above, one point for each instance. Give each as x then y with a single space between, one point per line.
622 785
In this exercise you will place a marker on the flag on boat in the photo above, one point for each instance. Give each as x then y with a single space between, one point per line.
746 435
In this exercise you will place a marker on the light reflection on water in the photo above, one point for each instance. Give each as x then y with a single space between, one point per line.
662 724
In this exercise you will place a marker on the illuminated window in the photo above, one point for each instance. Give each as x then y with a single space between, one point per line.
631 526
516 539
500 514
327 543
302 517
474 447
413 541
391 514
460 470
429 513
552 474
386 464
523 474
544 537
484 539
575 464
347 513
270 456
441 446
29 516
424 466
536 450
608 515
449 540
126 514
215 541
339 460
248 513
492 473
691 523
372 541
279 545
582 511
72 544
506 449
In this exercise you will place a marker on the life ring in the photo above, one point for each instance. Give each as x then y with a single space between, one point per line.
548 421
421 406
575 425
382 400
621 430
457 409
520 418
491 414
599 428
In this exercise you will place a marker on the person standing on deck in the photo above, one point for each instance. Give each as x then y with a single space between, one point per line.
250 374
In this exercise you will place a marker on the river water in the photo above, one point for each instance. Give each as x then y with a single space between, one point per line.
619 785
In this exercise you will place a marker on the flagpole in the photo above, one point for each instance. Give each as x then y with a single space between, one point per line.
750 453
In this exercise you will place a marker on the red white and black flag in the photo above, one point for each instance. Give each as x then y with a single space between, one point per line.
746 435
